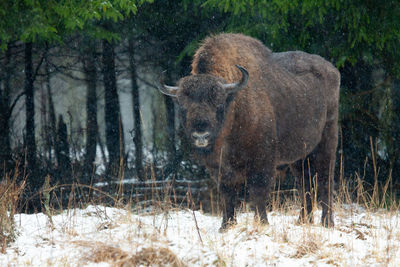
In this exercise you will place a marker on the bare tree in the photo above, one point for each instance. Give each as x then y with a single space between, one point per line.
114 133
137 138
5 114
90 70
30 120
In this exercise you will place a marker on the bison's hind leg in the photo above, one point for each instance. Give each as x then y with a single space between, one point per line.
316 172
325 156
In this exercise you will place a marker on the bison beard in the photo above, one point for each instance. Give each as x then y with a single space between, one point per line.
244 122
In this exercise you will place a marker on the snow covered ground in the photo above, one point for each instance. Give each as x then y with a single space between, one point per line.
103 236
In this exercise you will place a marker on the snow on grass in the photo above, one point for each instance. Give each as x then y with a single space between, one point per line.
104 236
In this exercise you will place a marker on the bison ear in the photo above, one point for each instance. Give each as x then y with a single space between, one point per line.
233 88
166 89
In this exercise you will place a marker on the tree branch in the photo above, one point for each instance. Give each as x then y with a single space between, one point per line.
10 110
39 65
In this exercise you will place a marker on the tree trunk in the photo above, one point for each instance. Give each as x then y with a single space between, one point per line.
64 161
51 120
137 138
396 132
30 144
172 167
114 131
5 114
90 59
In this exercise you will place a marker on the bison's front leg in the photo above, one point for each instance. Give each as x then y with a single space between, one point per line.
259 191
228 195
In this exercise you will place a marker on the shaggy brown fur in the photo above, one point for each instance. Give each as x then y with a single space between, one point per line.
287 112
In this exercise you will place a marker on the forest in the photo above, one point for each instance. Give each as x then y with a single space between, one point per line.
78 83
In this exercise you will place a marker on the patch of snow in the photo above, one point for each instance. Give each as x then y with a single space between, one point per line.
359 238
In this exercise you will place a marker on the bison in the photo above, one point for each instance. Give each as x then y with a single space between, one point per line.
249 112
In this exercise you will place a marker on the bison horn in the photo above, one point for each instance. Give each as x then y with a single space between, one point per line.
234 87
166 89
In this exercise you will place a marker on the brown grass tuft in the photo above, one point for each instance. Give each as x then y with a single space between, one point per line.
307 248
152 256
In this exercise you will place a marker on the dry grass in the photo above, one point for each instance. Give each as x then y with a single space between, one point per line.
150 256
307 247
149 239
10 194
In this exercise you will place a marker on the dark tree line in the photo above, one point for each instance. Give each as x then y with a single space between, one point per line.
96 44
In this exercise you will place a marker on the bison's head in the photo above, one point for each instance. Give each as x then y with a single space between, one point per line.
203 100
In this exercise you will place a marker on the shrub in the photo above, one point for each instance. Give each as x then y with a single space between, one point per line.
10 195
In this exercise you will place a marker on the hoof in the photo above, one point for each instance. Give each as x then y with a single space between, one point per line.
327 222
222 230
262 220
305 219
225 226
302 221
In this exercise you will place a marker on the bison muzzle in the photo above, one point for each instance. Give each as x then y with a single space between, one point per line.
248 112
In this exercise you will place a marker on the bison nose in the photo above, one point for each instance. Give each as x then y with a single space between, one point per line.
200 139
203 135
